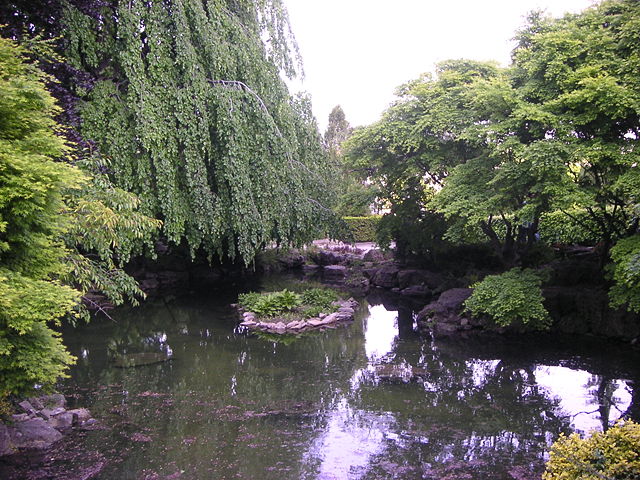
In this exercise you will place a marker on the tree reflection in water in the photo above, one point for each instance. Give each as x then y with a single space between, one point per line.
236 406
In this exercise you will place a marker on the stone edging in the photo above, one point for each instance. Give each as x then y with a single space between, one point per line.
345 312
43 421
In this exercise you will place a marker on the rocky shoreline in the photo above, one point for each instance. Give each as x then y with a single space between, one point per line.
42 422
343 314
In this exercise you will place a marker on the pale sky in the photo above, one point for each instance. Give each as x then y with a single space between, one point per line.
356 52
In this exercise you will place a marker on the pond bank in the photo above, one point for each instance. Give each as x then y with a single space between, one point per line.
371 401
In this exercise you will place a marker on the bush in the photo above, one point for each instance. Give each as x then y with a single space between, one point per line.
319 297
362 229
625 271
314 300
614 454
513 296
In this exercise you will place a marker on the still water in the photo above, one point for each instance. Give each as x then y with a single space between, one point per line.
371 400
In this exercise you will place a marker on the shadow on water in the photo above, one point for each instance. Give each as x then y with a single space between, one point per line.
366 401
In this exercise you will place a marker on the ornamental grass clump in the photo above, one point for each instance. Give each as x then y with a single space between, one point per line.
510 297
610 455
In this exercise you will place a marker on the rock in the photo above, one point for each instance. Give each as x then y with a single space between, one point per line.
47 413
373 255
418 291
386 276
34 433
326 257
26 407
442 317
334 273
20 417
445 329
140 359
310 269
62 421
370 272
291 260
36 402
331 318
6 446
315 322
80 415
248 323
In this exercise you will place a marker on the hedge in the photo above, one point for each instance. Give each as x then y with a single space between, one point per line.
362 229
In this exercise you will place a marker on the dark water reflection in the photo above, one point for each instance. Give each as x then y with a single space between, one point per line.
233 406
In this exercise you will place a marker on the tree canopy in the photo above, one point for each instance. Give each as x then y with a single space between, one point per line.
33 188
507 153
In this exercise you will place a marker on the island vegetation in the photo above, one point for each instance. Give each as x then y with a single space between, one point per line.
129 128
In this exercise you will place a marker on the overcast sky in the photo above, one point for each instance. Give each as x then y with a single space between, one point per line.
355 52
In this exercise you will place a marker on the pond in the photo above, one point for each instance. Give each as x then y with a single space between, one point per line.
371 400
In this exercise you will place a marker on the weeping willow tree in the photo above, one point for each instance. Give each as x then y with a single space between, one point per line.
190 106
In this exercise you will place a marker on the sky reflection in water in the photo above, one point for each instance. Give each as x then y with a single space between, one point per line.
368 401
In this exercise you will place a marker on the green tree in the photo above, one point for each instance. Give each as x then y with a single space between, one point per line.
33 189
190 107
410 152
338 130
355 195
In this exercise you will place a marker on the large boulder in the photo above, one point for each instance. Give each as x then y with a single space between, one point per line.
443 317
374 255
334 273
327 257
386 276
34 433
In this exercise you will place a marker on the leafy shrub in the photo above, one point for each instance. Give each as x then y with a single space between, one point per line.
319 297
513 296
613 455
625 271
271 304
362 229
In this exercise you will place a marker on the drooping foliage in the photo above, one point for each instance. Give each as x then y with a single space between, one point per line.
33 188
190 108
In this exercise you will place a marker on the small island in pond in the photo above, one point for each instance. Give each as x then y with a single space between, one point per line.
286 312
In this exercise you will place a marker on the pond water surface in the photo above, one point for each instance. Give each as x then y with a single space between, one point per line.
339 404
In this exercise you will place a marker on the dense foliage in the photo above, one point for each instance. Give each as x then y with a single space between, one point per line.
362 229
513 297
270 304
542 151
626 273
355 196
190 108
310 303
33 199
611 455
